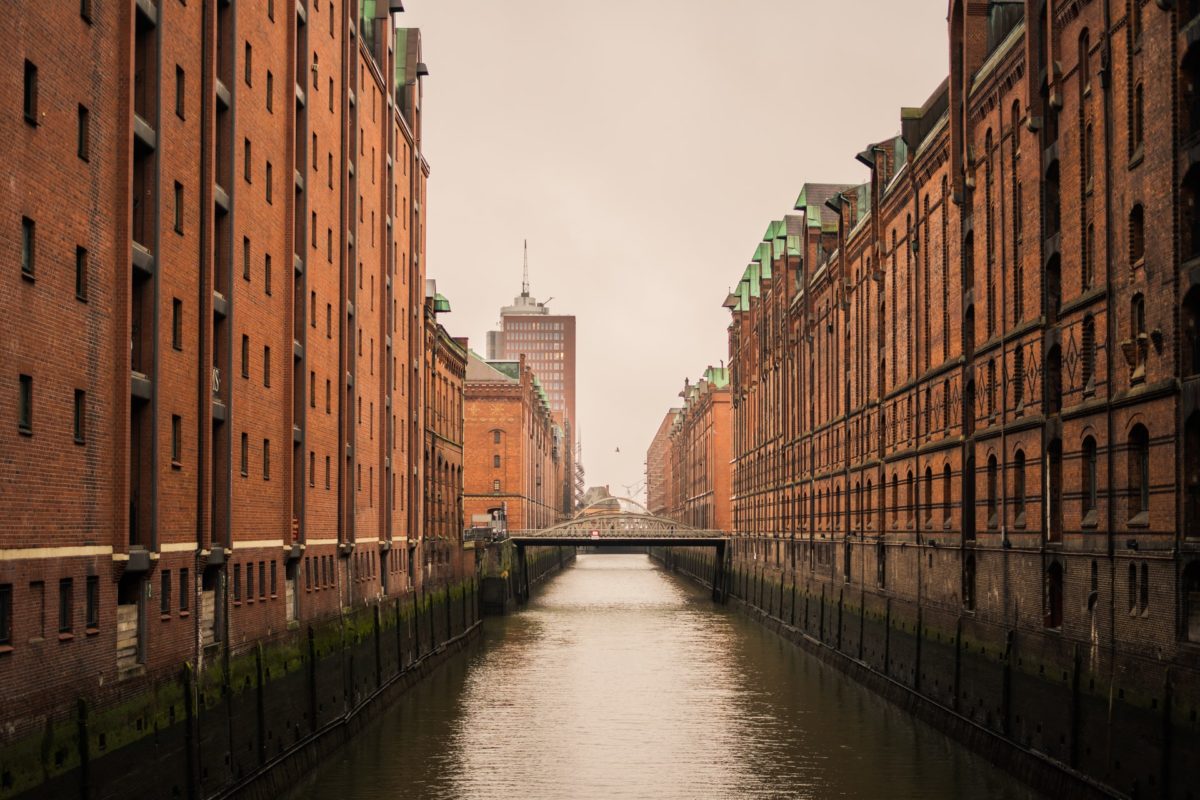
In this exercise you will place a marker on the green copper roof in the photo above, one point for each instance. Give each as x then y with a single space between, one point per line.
440 303
717 376
793 245
510 368
401 58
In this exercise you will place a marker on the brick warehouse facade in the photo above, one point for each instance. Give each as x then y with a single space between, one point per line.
688 463
518 456
966 437
238 224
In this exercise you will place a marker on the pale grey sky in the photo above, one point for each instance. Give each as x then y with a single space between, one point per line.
642 147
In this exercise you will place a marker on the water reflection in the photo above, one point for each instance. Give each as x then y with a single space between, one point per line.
620 680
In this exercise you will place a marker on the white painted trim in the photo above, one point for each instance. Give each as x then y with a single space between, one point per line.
316 542
22 553
257 544
179 547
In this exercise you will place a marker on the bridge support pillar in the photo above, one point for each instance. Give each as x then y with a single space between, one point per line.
718 583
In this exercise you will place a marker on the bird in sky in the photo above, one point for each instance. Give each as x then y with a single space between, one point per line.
618 449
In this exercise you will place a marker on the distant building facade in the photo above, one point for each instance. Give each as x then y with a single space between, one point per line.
689 462
517 453
547 341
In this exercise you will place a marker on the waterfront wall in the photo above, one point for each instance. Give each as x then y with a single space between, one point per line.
1071 721
249 721
500 584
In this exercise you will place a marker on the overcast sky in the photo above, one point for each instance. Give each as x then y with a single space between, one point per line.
642 147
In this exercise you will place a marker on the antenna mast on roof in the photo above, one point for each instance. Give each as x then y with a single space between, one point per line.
525 279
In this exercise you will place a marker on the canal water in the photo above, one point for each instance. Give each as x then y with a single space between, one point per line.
620 680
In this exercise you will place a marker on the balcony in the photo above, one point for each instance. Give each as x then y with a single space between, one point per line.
143 260
144 133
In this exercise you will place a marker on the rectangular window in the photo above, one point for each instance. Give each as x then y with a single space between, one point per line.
183 591
79 419
180 91
266 459
82 135
273 579
177 323
245 356
312 389
85 10
266 366
25 404
270 92
269 182
178 207
328 321
312 468
329 247
271 10
237 583
92 604
313 230
249 66
164 594
176 439
326 472
66 604
312 313
246 161
262 580
6 615
245 454
246 258
326 395
307 573
31 93
267 274
250 582
28 247
81 273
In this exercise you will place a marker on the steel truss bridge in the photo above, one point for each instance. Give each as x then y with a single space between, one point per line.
620 522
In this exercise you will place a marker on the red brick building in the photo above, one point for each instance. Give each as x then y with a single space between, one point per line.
517 454
659 497
444 438
216 400
689 461
963 389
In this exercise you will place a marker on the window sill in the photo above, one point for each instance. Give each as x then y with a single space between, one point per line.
1141 520
32 121
91 631
28 276
176 465
77 440
1136 159
1090 519
165 617
184 614
66 637
25 431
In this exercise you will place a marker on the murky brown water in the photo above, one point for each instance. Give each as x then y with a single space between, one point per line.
622 681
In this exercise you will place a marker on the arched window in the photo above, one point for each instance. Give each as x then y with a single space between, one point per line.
1088 354
946 477
1139 473
1139 102
1191 476
1019 488
1189 212
1137 335
1019 376
1137 235
911 498
896 496
993 478
868 505
1053 381
1131 589
1055 499
1085 71
1052 214
1088 476
1054 596
1053 287
928 496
